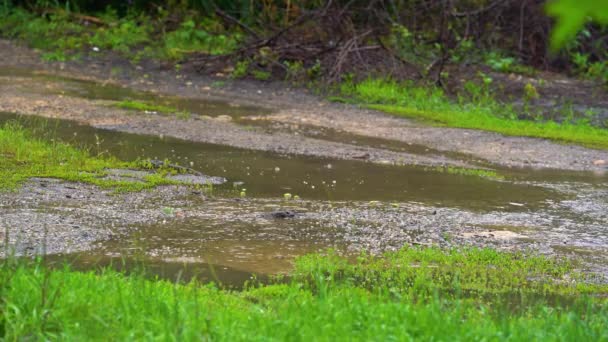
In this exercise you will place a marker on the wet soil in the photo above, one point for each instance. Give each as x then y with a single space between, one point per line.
366 181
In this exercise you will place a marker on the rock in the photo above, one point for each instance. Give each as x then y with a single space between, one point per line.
126 175
197 179
361 156
599 162
224 118
283 214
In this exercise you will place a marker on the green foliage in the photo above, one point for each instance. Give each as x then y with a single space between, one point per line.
572 15
530 92
408 46
476 110
261 75
57 33
389 298
241 69
500 63
425 271
64 38
295 69
122 36
190 38
594 70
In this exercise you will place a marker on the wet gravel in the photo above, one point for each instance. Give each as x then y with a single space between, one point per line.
53 216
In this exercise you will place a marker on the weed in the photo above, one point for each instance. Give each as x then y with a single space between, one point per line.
241 69
295 69
530 92
261 75
500 63
218 84
191 38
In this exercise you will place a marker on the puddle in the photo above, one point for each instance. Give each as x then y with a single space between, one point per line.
265 174
172 270
554 206
104 91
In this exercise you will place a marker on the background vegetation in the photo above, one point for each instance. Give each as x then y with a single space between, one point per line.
403 38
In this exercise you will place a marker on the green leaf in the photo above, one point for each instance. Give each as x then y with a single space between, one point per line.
571 16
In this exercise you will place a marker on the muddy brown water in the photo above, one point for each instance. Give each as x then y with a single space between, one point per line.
174 270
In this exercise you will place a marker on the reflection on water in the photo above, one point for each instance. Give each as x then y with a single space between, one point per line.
173 270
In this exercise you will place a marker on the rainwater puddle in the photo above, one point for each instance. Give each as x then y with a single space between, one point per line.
551 203
265 174
171 269
51 84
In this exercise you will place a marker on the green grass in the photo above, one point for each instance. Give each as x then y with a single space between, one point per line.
432 105
423 271
150 107
23 157
317 304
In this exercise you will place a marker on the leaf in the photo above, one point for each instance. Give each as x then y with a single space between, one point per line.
571 16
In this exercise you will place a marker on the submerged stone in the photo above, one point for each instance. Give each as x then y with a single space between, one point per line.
197 179
283 214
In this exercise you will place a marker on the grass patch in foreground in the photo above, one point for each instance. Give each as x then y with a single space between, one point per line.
23 157
387 298
150 107
484 113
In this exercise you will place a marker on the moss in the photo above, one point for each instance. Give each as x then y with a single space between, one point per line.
23 157
62 35
150 107
483 173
